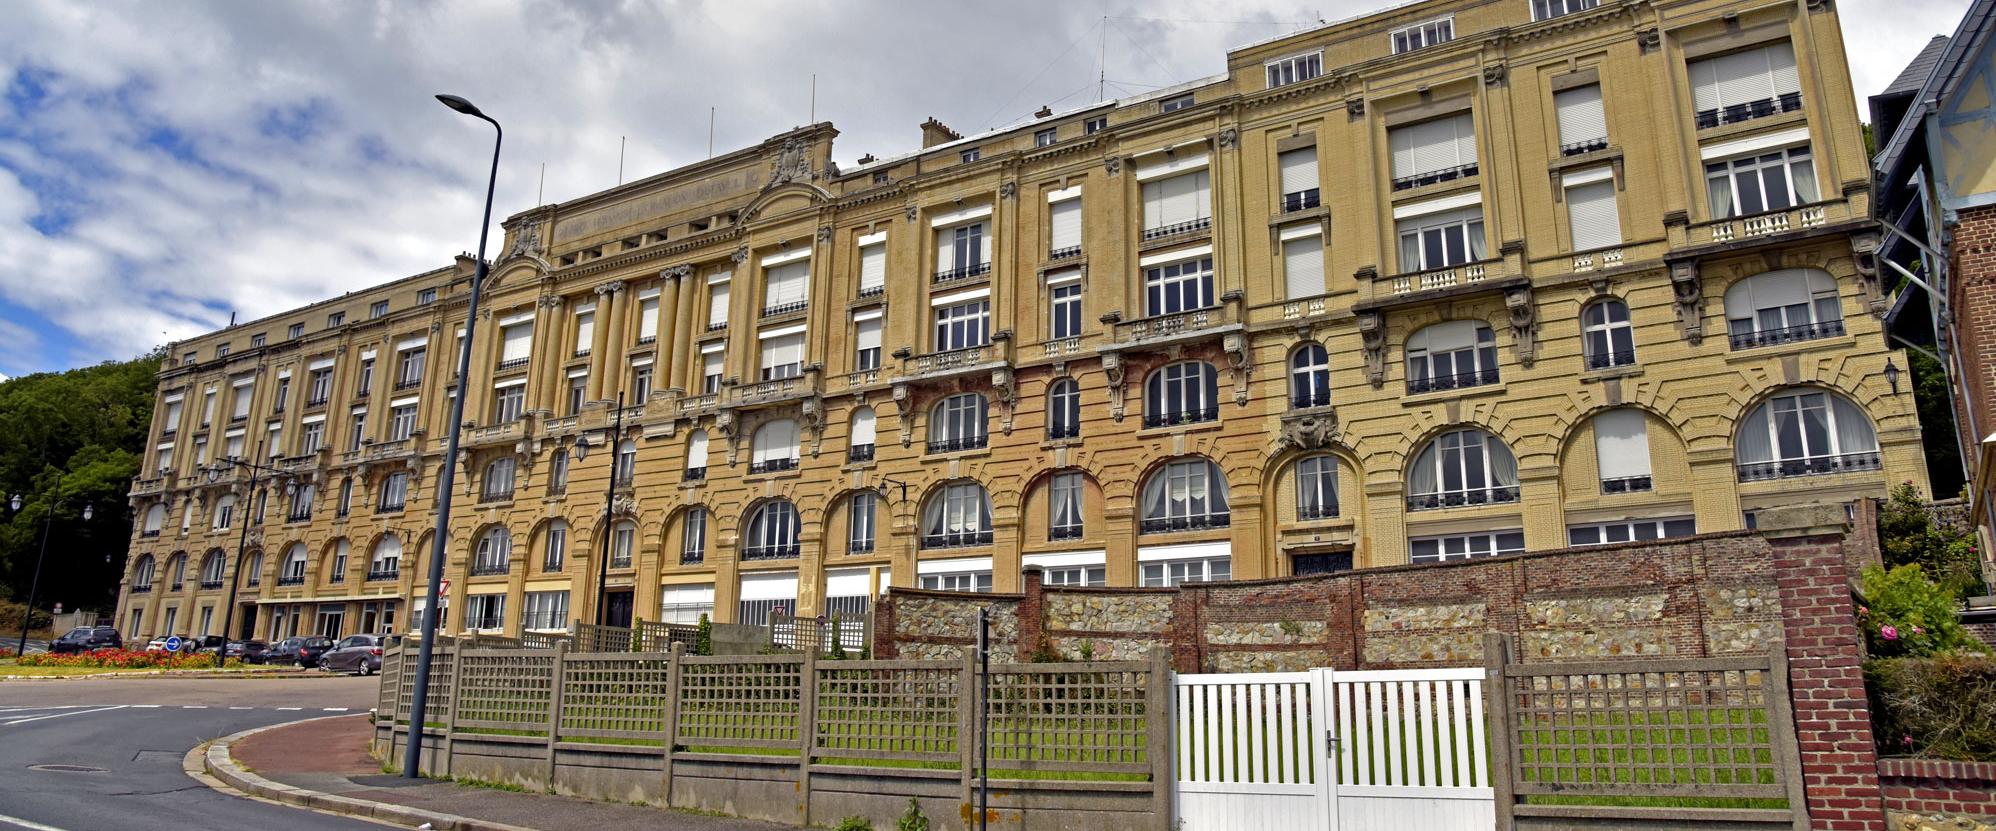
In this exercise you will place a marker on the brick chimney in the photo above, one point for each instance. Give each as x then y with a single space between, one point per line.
935 132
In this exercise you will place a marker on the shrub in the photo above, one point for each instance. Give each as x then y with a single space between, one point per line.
1903 614
1943 707
838 640
1908 535
703 637
125 659
912 819
853 823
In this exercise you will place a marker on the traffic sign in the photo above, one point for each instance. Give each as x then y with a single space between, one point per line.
173 644
443 588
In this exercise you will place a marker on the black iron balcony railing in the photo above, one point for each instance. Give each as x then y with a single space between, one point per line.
860 453
620 561
393 573
644 340
1065 532
253 581
1064 253
963 273
692 557
581 352
151 533
177 586
1434 177
1811 466
772 466
873 291
1063 431
864 546
514 363
1462 498
783 308
316 402
291 580
1324 510
489 569
1196 522
1787 334
394 507
1310 398
1174 229
713 326
956 539
1609 360
496 496
1301 200
1460 380
145 589
1748 111
770 552
1625 484
211 584
1575 148
696 474
962 443
1179 417
298 515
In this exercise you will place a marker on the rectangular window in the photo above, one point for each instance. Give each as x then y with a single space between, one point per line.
401 422
516 340
1422 35
1744 85
1630 530
711 370
1760 183
1064 304
315 437
508 403
1317 488
394 492
969 156
1621 449
1592 214
782 355
366 383
426 297
873 267
717 305
860 522
866 340
1303 262
1178 287
1295 69
1064 229
1298 173
1444 239
257 340
1064 507
409 368
1172 573
786 287
221 350
239 401
1465 546
1095 125
356 428
963 581
208 407
498 480
1175 103
648 319
686 604
693 539
544 611
1075 576
963 325
296 331
585 329
1583 126
578 391
319 387
623 541
1178 204
334 320
344 508
1437 150
1549 9
485 612
558 472
379 309
641 382
962 252
1043 138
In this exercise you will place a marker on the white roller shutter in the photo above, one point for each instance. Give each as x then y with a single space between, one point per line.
696 450
1621 444
648 318
867 333
775 440
873 266
1064 225
1591 210
585 327
717 304
788 283
782 350
1433 145
1303 266
863 431
519 342
1299 170
778 586
1581 118
1742 77
1177 200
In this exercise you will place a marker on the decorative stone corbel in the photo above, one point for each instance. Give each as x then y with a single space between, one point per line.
1008 190
724 424
1113 164
1372 335
1864 247
1354 108
1649 39
1008 396
740 256
905 405
1524 323
624 504
913 211
1228 136
1314 429
814 414
824 235
1112 367
1493 74
1688 295
1239 364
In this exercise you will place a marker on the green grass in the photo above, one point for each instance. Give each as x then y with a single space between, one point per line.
1657 801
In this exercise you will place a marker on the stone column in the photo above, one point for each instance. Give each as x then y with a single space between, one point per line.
599 344
1539 501
691 325
547 331
619 341
1007 538
1119 526
665 366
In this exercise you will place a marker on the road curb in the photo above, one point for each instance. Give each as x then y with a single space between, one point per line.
217 761
163 673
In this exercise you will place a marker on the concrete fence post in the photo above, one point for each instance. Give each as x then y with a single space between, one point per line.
456 652
807 731
560 670
672 675
1158 723
966 726
1497 707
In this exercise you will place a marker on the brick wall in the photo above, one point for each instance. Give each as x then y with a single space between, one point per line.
1935 788
1973 301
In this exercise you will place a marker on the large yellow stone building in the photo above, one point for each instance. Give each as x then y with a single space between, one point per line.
1459 278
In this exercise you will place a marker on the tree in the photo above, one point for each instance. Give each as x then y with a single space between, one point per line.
1908 535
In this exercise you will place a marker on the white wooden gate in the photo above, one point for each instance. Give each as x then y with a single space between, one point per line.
1324 750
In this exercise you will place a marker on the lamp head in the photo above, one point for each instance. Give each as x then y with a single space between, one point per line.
87 511
458 103
581 448
15 503
1892 374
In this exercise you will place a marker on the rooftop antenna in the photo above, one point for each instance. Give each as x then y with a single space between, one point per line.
710 132
620 160
1102 52
814 99
543 189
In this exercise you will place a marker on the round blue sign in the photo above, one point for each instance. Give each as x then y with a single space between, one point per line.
173 644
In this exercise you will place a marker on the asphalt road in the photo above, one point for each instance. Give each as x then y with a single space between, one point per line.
134 733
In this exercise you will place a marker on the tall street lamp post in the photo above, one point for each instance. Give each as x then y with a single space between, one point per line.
412 755
214 473
35 585
610 446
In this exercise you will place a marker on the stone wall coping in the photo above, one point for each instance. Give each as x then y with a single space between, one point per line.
940 594
1816 519
1985 772
1403 568
1117 591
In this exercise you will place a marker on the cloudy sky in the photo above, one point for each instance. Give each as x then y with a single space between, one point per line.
165 164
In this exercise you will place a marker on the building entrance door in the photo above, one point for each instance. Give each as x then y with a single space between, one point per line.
617 608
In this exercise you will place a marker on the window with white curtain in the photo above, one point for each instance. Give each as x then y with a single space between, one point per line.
1583 125
1591 212
713 366
873 265
1310 376
1744 85
1297 172
860 518
861 440
385 561
1064 304
959 423
1179 203
1182 286
717 304
963 325
1760 182
1317 487
782 353
693 537
498 479
1805 432
866 340
787 288
294 565
962 251
772 531
1630 530
509 402
1187 392
625 465
957 515
1064 228
1436 150
1064 409
623 543
544 611
1184 495
1443 239
1609 339
1465 546
1785 306
774 447
494 553
1064 506
1302 262
1621 450
1451 355
225 510
1462 467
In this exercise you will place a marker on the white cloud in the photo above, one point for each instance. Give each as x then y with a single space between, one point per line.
181 206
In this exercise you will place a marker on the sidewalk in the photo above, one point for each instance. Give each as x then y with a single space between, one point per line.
328 757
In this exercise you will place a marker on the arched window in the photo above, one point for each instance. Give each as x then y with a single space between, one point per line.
557 472
1608 337
1621 450
1317 487
155 518
772 531
623 543
1185 495
498 479
775 447
142 573
861 511
337 570
554 546
860 438
1803 432
1451 355
495 552
386 561
626 462
1462 467
294 566
1065 505
1064 409
213 567
1793 304
958 515
1186 392
957 423
696 456
176 570
693 537
1310 377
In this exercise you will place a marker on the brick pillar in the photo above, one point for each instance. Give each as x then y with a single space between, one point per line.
884 647
1032 610
1826 678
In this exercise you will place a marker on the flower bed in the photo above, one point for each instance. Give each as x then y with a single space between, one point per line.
125 659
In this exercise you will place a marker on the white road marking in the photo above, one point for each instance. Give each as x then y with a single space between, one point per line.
22 823
242 708
335 709
145 706
60 715
193 706
26 709
290 708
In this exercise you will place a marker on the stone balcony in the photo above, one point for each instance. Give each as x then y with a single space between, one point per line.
142 486
1739 229
380 450
493 435
935 366
775 391
1192 325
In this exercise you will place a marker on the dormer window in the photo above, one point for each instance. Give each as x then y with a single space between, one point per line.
1295 69
1423 35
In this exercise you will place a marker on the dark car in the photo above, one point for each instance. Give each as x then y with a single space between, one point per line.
303 651
358 654
87 639
251 652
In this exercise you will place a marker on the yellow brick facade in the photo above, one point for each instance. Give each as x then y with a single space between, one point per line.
655 248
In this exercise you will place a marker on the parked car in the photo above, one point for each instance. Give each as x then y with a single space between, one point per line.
159 644
358 654
303 651
250 652
87 639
